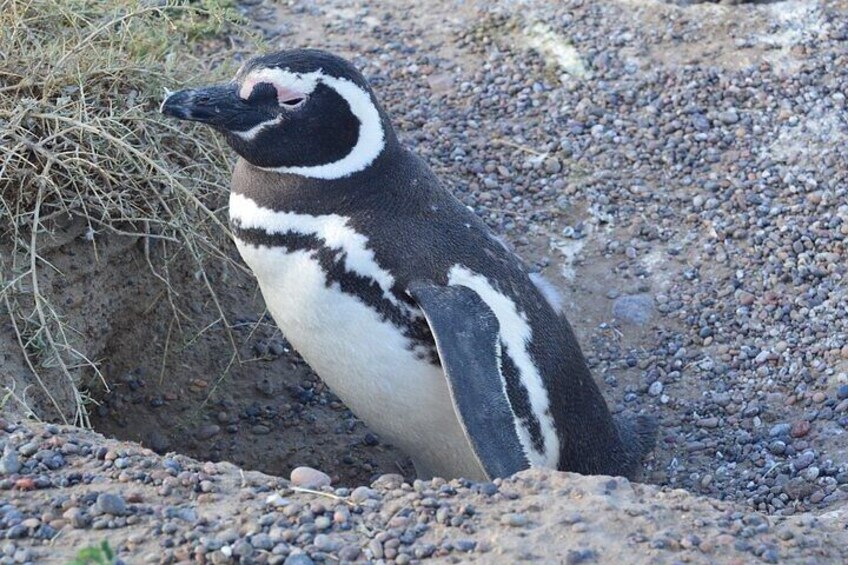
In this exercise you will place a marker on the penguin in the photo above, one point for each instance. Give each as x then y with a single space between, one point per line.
425 324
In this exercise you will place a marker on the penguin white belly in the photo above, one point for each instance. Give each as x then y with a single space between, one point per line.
365 360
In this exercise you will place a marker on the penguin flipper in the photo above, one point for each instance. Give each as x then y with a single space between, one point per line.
468 342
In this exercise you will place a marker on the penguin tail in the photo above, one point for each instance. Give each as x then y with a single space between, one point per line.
638 437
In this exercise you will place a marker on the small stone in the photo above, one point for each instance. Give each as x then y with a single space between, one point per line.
780 430
261 541
349 553
389 481
575 556
326 543
16 532
298 559
819 397
277 500
729 117
711 422
514 519
28 449
552 165
207 432
465 545
23 555
424 551
361 494
77 517
655 389
777 447
635 309
804 460
108 503
488 488
842 392
376 549
800 429
307 477
260 430
9 462
243 549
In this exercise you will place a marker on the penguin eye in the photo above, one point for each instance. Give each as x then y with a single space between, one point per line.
293 102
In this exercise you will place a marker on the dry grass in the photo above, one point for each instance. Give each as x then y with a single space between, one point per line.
80 84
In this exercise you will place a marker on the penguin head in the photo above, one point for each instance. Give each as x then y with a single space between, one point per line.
303 111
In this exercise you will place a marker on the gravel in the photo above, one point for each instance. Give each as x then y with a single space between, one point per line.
152 511
681 173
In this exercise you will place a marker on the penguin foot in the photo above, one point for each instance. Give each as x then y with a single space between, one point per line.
638 437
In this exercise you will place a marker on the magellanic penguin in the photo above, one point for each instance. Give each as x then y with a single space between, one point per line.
398 296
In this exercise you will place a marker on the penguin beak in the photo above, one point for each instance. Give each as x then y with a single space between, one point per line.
219 106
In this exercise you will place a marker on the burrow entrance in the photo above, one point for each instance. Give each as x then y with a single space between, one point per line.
176 384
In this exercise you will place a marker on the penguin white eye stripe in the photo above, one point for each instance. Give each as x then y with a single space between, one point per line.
372 138
248 135
368 147
284 81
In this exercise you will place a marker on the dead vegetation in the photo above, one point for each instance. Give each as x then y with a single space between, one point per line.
80 136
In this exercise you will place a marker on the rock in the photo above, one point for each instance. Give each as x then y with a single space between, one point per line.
9 462
307 477
388 481
552 165
780 430
729 117
804 460
77 517
28 449
800 429
298 559
326 543
635 309
361 494
207 431
349 553
514 519
108 503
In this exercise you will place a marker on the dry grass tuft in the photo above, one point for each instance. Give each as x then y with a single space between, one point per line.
80 135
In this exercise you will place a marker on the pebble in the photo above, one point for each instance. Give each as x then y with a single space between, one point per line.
326 543
634 309
715 185
514 519
552 165
800 429
207 431
655 389
298 559
307 477
361 494
804 460
9 461
108 503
